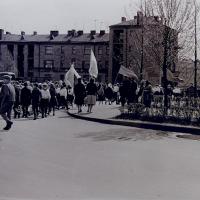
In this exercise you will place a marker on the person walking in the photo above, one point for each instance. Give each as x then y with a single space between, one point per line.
17 105
45 99
25 99
147 95
79 92
7 97
63 96
100 93
53 100
35 97
109 94
132 98
91 94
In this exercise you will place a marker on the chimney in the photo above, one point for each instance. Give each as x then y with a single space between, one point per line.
139 17
93 32
34 32
69 33
156 18
123 19
102 32
22 35
80 32
73 32
1 34
54 33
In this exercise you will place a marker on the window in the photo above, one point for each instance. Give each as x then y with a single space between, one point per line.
73 50
62 49
107 50
83 64
100 51
11 50
30 63
62 76
48 64
87 50
73 60
62 64
30 51
48 50
106 63
100 64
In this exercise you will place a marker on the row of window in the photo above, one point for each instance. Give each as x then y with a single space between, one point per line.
49 64
87 50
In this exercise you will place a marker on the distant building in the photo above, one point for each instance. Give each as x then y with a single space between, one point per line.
139 42
134 43
186 72
45 57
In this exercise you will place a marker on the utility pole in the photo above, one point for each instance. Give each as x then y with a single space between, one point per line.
142 51
195 54
164 79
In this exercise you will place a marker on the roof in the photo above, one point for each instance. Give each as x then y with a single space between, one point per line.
126 23
85 38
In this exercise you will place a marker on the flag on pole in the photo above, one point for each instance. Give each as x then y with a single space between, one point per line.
93 70
69 76
127 72
172 77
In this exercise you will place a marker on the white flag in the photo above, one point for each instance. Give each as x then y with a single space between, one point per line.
69 76
127 72
93 71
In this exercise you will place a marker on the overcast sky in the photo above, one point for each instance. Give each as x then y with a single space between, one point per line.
63 15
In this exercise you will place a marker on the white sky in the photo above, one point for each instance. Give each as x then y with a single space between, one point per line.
63 15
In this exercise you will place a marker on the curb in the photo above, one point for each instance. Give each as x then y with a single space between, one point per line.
138 124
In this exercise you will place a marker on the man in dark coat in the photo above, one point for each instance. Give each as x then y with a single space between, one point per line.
80 93
7 97
35 97
132 98
25 99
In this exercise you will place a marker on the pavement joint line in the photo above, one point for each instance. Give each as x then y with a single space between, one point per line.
140 124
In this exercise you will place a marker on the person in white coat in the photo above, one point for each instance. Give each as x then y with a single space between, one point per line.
45 99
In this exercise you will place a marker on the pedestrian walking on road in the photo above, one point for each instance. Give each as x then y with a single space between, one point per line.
7 97
100 93
63 96
79 92
17 105
36 96
53 100
91 94
25 99
45 99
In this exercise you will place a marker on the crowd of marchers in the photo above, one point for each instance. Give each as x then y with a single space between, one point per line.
43 99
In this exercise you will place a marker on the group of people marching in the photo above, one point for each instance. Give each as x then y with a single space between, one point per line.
45 98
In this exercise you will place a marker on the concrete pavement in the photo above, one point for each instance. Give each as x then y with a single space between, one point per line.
65 158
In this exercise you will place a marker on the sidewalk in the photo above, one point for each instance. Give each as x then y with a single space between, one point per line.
107 113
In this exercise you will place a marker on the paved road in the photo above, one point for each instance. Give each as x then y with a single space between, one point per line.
64 158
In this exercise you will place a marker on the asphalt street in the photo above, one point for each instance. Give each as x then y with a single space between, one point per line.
64 158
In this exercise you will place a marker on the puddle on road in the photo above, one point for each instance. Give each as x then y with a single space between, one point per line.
127 135
189 137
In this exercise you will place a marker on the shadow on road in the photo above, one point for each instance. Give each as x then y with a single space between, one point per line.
125 135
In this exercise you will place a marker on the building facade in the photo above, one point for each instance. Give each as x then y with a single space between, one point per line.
48 57
138 45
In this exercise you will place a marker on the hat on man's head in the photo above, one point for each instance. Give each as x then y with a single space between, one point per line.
7 77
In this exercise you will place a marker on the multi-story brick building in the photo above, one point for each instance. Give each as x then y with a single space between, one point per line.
138 44
43 57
